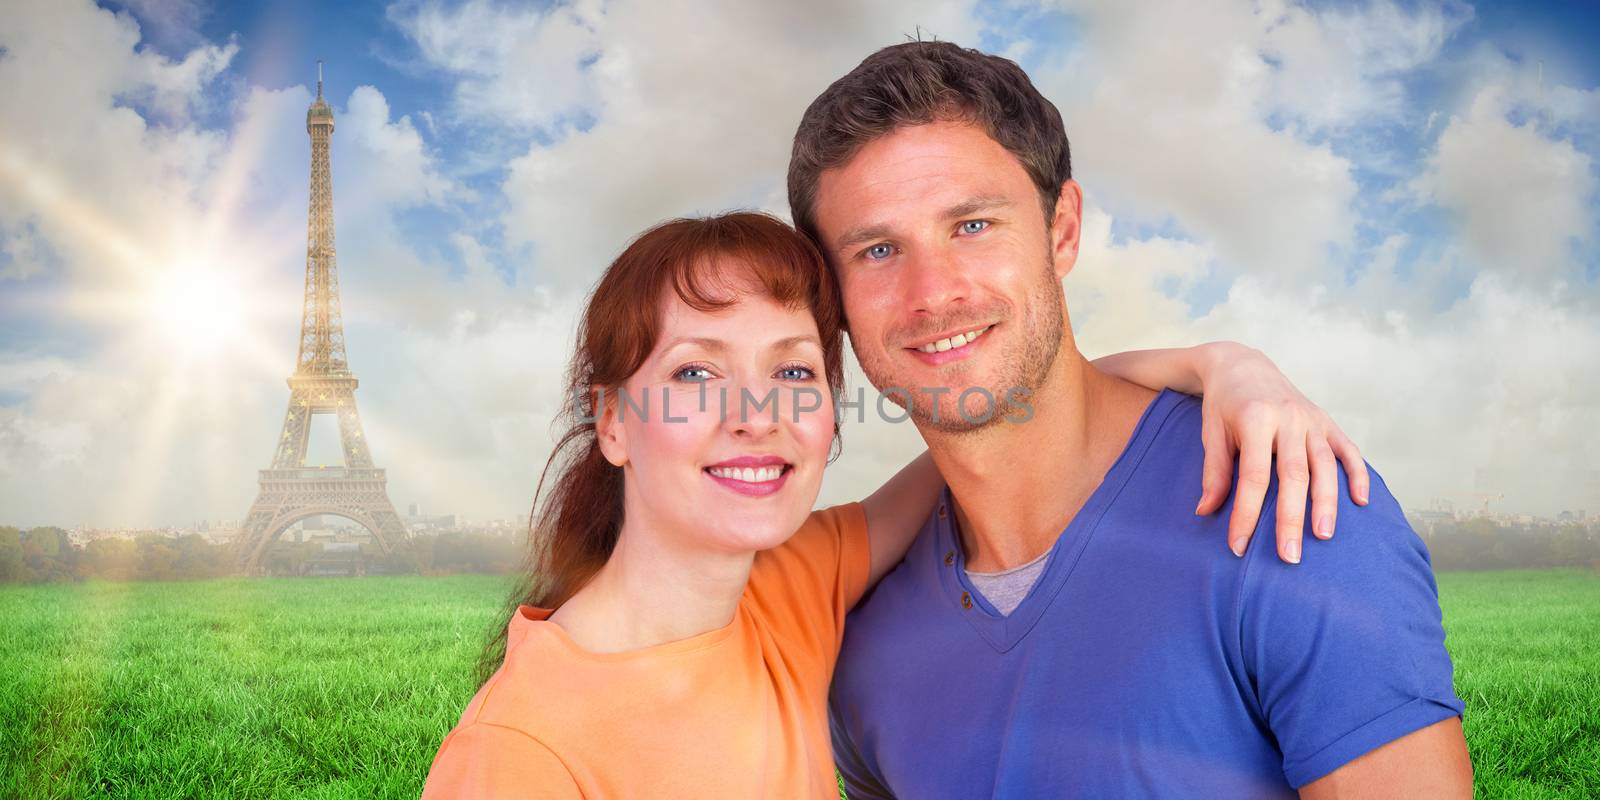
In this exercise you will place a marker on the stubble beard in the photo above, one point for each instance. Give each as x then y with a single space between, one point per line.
1022 370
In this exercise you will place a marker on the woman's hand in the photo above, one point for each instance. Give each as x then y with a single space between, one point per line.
1250 409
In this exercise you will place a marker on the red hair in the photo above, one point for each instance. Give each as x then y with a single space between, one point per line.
573 531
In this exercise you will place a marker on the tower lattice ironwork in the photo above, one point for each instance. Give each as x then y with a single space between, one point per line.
321 384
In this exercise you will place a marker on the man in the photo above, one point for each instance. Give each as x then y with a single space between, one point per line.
1065 625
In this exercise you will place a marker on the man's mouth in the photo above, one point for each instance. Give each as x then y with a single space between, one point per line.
955 342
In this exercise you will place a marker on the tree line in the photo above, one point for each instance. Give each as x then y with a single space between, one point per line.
46 554
1475 544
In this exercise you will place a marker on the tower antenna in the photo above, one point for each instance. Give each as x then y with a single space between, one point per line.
319 78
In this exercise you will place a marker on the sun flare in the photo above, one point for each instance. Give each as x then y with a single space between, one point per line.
199 310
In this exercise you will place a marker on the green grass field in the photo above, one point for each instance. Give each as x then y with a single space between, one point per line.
343 687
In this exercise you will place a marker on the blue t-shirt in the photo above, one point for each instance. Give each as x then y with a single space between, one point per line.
1148 661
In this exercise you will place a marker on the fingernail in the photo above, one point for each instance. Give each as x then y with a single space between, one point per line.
1237 547
1363 497
1325 527
1292 551
1199 504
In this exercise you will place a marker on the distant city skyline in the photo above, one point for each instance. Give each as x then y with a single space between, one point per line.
1396 202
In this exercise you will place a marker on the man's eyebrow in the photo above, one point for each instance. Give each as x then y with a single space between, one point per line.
863 234
983 202
966 208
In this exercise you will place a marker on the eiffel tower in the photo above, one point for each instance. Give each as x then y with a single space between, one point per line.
321 384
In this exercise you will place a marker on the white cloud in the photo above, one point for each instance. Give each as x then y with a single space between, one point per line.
523 67
696 106
1521 198
1164 107
1340 67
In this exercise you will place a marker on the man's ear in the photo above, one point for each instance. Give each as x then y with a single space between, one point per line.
608 430
1066 228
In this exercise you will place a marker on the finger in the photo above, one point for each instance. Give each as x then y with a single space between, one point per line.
1294 480
1217 475
1355 467
1324 487
1255 473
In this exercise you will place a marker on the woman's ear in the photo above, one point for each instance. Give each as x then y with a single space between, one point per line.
608 430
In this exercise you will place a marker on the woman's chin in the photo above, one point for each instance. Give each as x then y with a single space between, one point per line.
755 535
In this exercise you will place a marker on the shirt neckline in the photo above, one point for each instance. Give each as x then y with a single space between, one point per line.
537 621
1004 631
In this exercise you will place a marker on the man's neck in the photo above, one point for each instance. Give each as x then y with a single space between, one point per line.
1018 485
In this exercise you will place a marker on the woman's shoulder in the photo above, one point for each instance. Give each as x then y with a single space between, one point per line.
825 561
484 759
532 682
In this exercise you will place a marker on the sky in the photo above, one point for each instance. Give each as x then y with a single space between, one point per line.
1394 201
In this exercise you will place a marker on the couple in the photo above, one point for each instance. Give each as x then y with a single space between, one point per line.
1038 611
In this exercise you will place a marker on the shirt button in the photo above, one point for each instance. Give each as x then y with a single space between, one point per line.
941 511
950 558
966 600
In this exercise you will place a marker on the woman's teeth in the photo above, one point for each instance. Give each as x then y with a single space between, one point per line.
748 474
955 342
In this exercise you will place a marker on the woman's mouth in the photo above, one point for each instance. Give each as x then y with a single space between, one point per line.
751 481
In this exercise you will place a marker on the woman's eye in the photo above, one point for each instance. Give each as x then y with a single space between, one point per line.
796 373
692 374
974 225
878 252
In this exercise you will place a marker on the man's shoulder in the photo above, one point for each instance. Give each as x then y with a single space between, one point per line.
1374 572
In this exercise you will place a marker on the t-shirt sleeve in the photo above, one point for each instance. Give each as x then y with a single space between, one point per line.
860 782
806 584
483 760
1345 651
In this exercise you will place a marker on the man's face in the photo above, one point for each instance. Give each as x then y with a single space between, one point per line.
937 235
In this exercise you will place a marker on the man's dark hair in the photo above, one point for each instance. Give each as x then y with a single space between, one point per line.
915 83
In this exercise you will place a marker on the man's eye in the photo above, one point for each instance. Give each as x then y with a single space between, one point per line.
974 225
692 374
878 252
796 373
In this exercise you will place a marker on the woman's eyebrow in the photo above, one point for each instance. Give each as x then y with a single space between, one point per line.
706 342
793 341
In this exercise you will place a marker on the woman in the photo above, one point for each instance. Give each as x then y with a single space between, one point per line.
684 606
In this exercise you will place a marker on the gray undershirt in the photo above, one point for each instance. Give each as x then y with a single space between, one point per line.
1006 588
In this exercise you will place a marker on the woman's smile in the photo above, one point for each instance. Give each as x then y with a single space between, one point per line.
752 476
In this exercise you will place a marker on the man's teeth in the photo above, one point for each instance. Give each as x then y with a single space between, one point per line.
748 474
955 342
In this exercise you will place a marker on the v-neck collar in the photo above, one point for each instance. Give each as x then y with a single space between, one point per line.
1003 632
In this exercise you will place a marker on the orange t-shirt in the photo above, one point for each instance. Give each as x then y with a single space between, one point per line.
738 712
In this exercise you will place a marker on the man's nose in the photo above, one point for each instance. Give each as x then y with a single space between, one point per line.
933 281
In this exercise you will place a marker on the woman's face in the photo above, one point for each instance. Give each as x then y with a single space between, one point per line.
724 430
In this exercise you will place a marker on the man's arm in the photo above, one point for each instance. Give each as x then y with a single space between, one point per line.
1431 762
896 511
